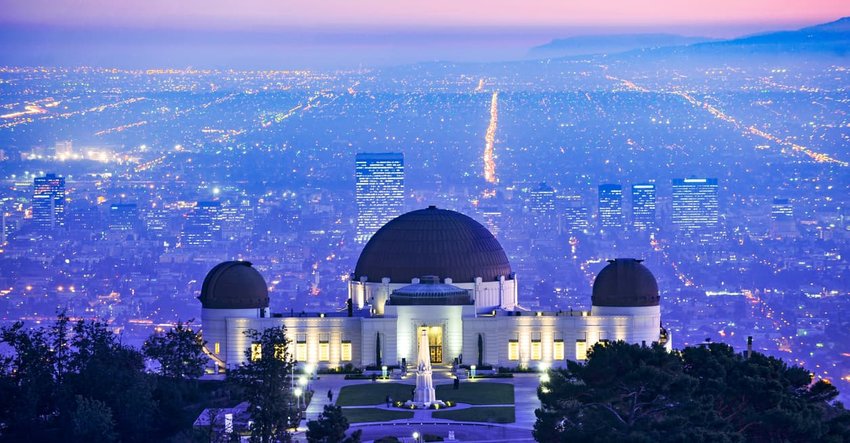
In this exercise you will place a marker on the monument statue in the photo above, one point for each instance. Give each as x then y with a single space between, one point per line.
424 395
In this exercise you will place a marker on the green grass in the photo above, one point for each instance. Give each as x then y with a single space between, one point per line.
478 393
502 414
361 415
367 394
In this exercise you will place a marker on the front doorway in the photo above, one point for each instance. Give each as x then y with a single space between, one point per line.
435 342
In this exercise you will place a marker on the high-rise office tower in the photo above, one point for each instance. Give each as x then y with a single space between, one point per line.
203 225
610 206
782 218
695 206
123 217
237 222
541 200
643 206
48 202
379 191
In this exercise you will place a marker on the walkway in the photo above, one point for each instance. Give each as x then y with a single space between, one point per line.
525 398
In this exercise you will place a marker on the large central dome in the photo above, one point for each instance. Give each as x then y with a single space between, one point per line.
432 241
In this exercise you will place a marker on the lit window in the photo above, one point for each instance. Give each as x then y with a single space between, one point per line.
217 348
346 351
581 350
280 351
301 351
558 351
513 350
536 350
256 351
324 351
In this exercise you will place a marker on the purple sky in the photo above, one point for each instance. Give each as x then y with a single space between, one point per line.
349 33
242 14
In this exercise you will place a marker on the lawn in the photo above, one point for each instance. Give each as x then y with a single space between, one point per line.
502 414
367 394
478 393
361 415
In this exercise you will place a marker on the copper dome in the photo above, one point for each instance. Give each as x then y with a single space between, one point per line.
234 285
432 242
625 282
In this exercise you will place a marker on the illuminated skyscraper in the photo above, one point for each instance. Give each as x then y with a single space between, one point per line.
782 218
48 202
379 191
541 200
695 206
643 206
123 217
610 206
203 225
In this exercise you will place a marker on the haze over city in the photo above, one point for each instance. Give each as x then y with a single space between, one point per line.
437 215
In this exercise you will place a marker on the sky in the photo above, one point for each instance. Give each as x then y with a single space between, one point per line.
325 13
348 33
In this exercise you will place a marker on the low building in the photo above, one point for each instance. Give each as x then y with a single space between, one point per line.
440 271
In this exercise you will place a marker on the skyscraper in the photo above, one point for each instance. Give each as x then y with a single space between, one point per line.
203 225
48 202
643 206
123 217
379 191
541 200
782 218
695 206
610 206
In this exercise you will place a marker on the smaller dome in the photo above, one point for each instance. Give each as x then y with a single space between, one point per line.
429 291
234 285
625 282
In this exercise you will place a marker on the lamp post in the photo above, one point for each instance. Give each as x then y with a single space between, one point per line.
416 437
298 393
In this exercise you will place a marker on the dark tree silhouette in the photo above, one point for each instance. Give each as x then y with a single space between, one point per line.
330 427
633 393
180 352
266 382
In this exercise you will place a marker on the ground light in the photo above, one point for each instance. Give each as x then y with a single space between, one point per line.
298 393
416 436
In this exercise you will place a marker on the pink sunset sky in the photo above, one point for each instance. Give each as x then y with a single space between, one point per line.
221 14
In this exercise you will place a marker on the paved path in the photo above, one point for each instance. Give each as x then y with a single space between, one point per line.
525 397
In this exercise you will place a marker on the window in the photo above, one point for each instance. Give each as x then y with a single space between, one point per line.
558 350
324 351
581 350
280 351
346 351
217 348
536 350
513 350
256 351
301 351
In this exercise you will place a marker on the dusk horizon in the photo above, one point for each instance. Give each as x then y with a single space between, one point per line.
375 221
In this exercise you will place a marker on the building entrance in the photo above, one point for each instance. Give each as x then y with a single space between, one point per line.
435 342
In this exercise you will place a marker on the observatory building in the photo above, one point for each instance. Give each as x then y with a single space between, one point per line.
438 274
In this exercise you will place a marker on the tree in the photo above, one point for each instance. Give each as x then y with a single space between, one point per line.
92 421
103 369
636 393
28 379
180 352
266 382
623 393
330 427
378 354
480 351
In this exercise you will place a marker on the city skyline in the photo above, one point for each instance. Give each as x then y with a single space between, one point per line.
425 205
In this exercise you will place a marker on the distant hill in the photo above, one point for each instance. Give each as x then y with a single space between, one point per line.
610 44
828 38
